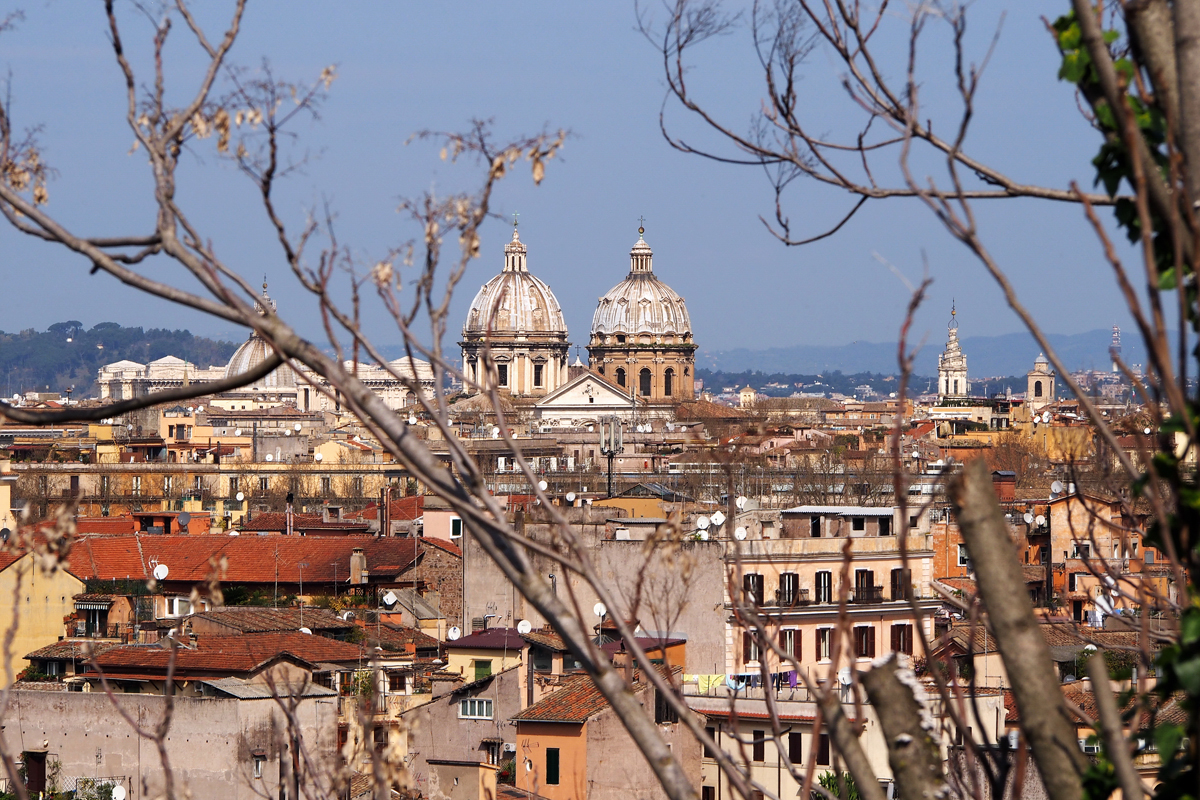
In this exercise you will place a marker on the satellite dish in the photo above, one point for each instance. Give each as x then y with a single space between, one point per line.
306 630
1045 416
718 519
234 533
318 457
4 534
288 432
1147 431
543 485
348 616
702 523
161 572
1028 518
241 496
270 457
740 533
453 633
237 431
495 432
600 609
184 519
297 426
524 627
844 676
740 502
1056 487
412 419
1040 519
570 497
118 793
390 598
129 428
704 536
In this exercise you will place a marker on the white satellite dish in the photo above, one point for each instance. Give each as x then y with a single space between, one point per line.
844 676
318 457
599 609
234 533
718 519
543 485
348 616
702 523
270 457
1040 520
704 536
570 497
1045 416
1147 431
306 630
241 496
1056 487
524 627
412 419
740 502
288 432
453 633
1028 518
390 598
118 793
495 432
237 431
297 426
161 572
740 533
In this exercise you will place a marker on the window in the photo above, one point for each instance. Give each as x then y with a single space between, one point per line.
198 483
543 659
752 584
492 751
455 528
326 485
858 523
43 484
356 486
644 382
758 746
823 750
796 747
814 527
912 520
233 487
663 712
620 376
264 484
104 484
551 766
538 370
708 793
1075 581
483 668
824 586
668 382
789 643
708 751
901 584
864 641
824 642
750 651
885 526
1037 388
259 760
502 374
168 484
902 638
956 386
864 586
396 682
789 588
475 708
1082 550
620 338
963 559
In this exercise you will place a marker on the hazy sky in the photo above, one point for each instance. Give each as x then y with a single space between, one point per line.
406 66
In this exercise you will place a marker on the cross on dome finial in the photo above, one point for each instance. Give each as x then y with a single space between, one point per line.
953 316
264 283
641 226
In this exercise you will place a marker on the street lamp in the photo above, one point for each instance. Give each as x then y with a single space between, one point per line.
610 443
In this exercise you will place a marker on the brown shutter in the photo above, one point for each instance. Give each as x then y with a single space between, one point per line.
795 748
823 750
746 645
896 648
871 642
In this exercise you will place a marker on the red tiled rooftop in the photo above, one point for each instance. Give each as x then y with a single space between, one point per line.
575 701
105 525
225 654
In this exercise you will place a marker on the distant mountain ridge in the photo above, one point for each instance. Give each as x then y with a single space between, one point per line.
1007 354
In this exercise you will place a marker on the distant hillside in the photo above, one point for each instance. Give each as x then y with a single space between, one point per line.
1010 354
778 384
67 354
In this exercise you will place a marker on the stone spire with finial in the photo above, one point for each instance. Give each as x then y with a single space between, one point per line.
515 252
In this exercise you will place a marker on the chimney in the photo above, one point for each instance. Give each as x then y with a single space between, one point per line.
358 567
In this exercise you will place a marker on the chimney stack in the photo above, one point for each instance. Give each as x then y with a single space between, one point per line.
358 567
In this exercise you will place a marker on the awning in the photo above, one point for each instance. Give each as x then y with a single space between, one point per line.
93 605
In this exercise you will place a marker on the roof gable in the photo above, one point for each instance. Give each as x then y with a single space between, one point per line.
587 389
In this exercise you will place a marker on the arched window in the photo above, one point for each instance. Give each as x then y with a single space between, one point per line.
644 382
620 376
668 382
1037 388
956 385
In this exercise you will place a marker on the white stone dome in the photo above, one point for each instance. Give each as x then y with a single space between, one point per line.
515 301
642 304
254 351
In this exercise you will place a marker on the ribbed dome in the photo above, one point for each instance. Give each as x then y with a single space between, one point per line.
641 304
255 351
515 301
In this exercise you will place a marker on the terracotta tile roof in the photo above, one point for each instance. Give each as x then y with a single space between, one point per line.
576 700
398 637
251 559
231 654
403 509
72 649
491 639
105 525
276 522
547 639
257 619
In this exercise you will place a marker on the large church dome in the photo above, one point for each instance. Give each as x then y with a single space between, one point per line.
515 301
642 304
254 351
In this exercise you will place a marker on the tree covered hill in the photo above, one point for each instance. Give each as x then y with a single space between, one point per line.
68 354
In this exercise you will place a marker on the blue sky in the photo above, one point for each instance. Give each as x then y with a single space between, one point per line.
404 67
